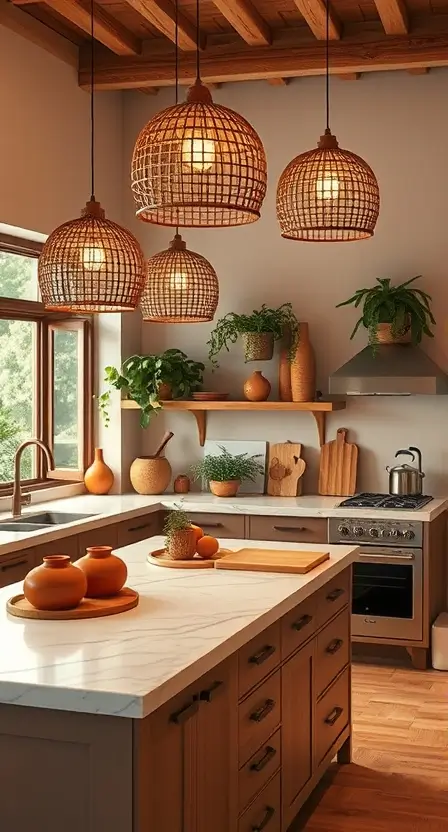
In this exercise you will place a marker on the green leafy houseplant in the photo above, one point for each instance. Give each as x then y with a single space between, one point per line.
226 468
141 377
275 322
402 307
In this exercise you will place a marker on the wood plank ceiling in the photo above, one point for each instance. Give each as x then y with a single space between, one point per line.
247 39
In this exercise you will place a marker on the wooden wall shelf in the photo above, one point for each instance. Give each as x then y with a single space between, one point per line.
199 410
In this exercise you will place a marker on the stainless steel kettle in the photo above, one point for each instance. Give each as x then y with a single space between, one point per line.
404 480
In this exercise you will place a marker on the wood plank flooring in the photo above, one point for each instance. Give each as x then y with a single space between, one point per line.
398 781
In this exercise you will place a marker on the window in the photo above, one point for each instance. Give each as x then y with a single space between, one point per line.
46 387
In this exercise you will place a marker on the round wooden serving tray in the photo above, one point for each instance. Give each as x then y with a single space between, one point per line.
125 600
160 558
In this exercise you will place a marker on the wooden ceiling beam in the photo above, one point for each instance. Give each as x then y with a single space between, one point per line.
246 20
108 30
36 32
314 12
393 16
161 14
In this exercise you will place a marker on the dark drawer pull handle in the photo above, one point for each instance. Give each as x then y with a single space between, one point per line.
334 715
207 694
139 528
269 814
334 646
265 759
262 713
13 565
291 529
301 622
211 525
333 596
184 713
262 655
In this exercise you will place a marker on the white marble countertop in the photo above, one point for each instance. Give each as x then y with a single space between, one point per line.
128 665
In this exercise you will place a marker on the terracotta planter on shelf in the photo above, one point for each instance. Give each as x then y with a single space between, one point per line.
165 392
384 335
98 479
182 484
150 474
228 488
303 369
55 585
257 387
181 544
258 346
105 574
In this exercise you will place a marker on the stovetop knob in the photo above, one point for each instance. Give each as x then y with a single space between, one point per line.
394 533
373 532
344 531
409 534
358 531
385 533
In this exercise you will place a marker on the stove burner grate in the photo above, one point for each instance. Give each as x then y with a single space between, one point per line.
391 501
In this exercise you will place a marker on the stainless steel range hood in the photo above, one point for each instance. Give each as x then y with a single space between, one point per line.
394 370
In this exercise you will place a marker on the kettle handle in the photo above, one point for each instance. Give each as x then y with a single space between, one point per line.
419 456
408 453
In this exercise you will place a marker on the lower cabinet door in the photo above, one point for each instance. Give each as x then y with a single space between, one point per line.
297 720
265 812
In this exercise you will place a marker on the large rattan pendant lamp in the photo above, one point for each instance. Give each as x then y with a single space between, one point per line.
198 164
327 194
91 264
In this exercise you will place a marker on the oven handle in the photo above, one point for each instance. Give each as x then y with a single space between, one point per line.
390 556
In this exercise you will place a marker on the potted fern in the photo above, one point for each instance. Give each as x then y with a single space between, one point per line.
180 537
225 472
258 331
393 314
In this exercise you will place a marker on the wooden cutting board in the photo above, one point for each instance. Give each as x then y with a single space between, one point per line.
285 469
272 560
338 466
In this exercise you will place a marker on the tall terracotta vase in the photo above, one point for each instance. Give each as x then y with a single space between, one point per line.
257 387
98 479
303 369
284 374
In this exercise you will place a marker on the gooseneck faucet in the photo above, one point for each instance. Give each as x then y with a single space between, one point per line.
16 493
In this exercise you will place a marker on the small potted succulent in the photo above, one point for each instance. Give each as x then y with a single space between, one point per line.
225 472
393 314
180 536
258 330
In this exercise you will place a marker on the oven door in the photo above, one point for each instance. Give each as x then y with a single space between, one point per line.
387 594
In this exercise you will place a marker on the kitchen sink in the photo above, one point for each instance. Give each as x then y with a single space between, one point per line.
34 522
18 526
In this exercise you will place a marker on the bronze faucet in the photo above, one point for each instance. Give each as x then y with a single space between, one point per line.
17 498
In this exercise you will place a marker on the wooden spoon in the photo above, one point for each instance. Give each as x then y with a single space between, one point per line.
164 441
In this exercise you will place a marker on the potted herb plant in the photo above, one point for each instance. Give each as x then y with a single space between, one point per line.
258 330
225 472
148 379
180 536
393 314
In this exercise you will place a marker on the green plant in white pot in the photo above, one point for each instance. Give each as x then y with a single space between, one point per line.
225 472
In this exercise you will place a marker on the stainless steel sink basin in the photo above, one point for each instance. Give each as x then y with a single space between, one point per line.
18 526
34 522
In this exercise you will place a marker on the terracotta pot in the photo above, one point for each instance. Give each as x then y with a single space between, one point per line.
105 573
182 484
181 544
150 474
258 346
55 585
303 369
98 479
384 335
257 387
224 489
165 392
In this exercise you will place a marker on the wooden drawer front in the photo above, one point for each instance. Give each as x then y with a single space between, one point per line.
332 597
15 567
258 717
332 651
220 525
293 529
332 715
258 658
298 625
258 770
139 528
104 536
264 814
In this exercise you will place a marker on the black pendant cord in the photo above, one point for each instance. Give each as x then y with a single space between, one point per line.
327 63
176 23
198 42
92 107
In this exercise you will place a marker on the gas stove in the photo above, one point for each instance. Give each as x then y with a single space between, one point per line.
367 500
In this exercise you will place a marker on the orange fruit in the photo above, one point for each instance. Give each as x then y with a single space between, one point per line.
198 531
207 546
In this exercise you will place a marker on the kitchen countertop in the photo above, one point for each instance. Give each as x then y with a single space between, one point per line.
186 623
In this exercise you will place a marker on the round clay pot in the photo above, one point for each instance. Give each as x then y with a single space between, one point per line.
258 346
257 387
224 489
105 573
165 392
98 479
182 484
150 474
55 585
384 335
303 369
181 544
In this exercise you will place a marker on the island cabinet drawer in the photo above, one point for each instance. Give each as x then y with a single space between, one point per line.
332 715
258 658
298 626
292 529
264 813
220 525
258 717
258 770
332 597
332 651
139 528
15 567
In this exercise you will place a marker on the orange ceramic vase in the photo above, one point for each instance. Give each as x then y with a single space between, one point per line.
105 573
55 584
257 387
98 478
303 369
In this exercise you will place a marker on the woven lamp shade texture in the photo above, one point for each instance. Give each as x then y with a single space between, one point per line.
327 195
198 164
91 264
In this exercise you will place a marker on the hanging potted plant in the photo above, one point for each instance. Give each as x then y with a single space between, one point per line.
225 472
150 379
393 314
258 330
180 536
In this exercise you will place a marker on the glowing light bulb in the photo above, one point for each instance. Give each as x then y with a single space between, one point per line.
199 153
93 258
327 188
178 281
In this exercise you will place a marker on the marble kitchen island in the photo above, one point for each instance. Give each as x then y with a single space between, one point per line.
217 704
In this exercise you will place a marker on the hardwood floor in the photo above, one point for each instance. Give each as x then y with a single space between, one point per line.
398 781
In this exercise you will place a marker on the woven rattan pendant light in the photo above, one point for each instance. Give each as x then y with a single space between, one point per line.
327 194
91 264
198 164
